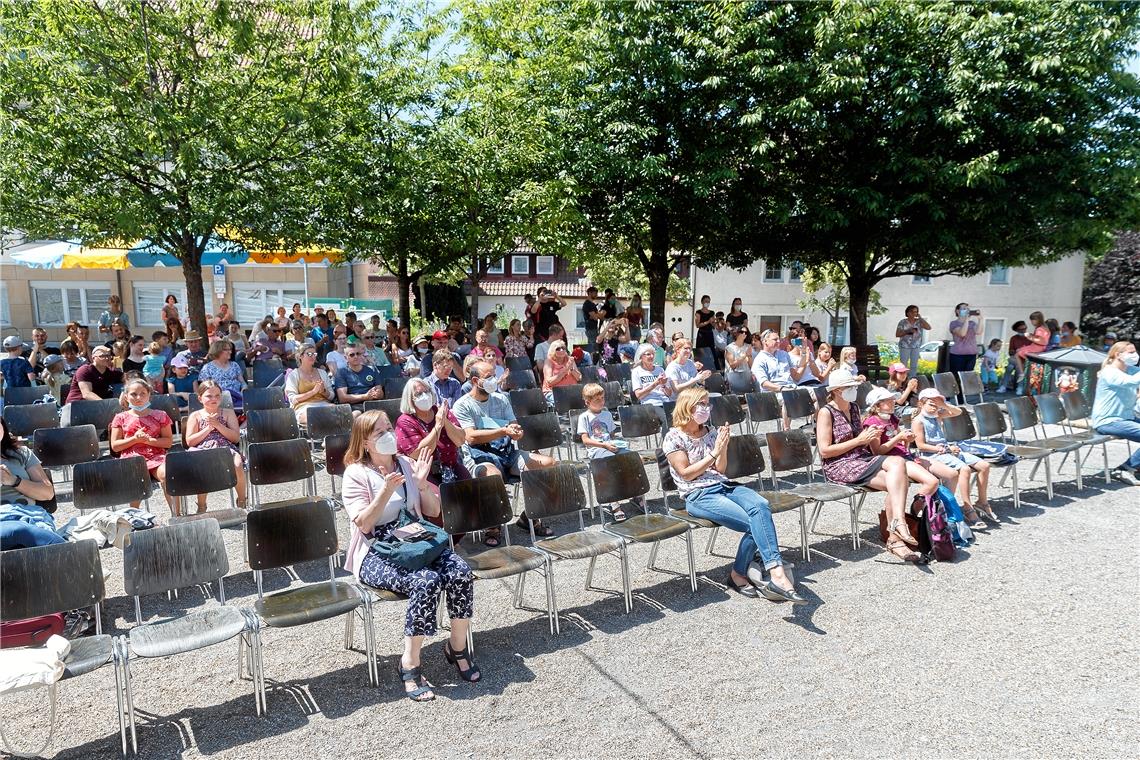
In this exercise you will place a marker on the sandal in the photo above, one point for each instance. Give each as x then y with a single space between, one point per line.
422 692
899 528
618 514
986 511
972 518
492 537
540 530
902 551
472 674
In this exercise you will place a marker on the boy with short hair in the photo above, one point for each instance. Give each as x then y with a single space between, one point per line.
596 431
17 371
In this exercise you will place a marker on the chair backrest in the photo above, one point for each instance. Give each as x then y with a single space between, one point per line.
290 534
745 457
21 396
97 413
567 397
726 410
764 406
528 401
789 450
519 379
321 421
619 371
25 419
110 483
194 403
280 462
474 504
1051 409
335 448
798 403
862 393
706 357
714 383
1022 412
668 485
394 386
57 447
614 395
971 384
540 431
924 382
189 473
991 422
960 428
389 372
519 364
176 556
267 371
167 403
619 477
552 491
44 580
390 406
741 383
821 395
947 384
638 421
257 399
590 375
264 425
1076 406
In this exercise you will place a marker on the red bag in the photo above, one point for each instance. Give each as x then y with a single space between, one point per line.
31 632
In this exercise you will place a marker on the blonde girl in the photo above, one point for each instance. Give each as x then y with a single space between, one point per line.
214 427
847 361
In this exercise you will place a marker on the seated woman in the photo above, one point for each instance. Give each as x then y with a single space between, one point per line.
23 481
905 390
378 486
1116 410
649 383
682 370
226 373
698 458
213 427
423 426
931 440
559 369
308 385
844 448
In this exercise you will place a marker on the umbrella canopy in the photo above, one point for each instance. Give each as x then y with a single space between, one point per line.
67 254
1064 370
1079 356
307 255
147 253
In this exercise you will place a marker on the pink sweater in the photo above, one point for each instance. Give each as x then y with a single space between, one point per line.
359 487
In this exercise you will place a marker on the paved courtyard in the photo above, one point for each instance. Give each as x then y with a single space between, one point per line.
1027 646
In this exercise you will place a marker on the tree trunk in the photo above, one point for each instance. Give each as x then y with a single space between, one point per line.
474 302
191 256
859 293
657 269
403 283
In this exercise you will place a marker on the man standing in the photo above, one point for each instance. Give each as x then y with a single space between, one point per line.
591 316
356 382
549 303
322 336
93 381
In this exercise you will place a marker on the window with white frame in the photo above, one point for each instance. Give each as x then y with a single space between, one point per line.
771 322
5 310
150 297
795 272
837 331
495 267
995 328
55 305
999 275
579 318
520 264
773 273
920 279
253 302
544 265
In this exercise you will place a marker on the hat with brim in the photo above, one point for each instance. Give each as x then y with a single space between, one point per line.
841 378
930 393
191 335
878 394
898 367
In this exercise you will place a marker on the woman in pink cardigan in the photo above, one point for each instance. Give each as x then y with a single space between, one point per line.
378 485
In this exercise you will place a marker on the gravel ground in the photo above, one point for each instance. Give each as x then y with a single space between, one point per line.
1026 646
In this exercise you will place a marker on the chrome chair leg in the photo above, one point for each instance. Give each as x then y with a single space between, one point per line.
805 550
712 539
349 629
590 574
692 560
120 697
652 563
625 580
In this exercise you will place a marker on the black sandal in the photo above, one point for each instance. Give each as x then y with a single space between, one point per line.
415 675
472 674
493 537
540 530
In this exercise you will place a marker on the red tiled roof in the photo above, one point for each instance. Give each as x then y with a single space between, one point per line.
575 288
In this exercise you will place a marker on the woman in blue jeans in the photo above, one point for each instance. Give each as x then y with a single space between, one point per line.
1114 411
698 455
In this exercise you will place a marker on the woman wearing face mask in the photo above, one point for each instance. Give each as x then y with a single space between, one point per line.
704 323
964 338
698 458
424 426
1114 411
378 486
737 318
847 459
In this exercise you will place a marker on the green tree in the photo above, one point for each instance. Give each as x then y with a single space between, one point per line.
941 138
166 120
826 290
1111 298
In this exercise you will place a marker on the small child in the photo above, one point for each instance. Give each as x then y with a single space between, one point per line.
596 431
990 363
154 368
904 390
55 378
72 361
143 432
120 350
17 371
931 441
213 427
182 383
847 361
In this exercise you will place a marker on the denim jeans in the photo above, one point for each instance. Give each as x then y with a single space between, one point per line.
1129 429
741 509
910 357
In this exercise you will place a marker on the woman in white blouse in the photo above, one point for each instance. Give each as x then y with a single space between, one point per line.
378 485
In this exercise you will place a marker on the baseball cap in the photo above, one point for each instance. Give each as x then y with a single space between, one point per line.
178 361
878 394
930 393
440 335
13 341
1110 336
898 367
52 360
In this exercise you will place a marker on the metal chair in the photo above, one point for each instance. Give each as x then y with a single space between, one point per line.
540 431
763 406
528 401
1079 426
169 404
479 504
23 421
1023 416
304 532
568 398
991 424
622 477
1052 412
558 491
66 447
792 450
740 383
862 392
924 382
389 371
640 421
110 483
946 384
192 473
519 364
97 413
276 462
46 580
726 410
971 384
959 428
798 404
335 448
706 357
25 396
519 379
390 407
164 559
394 386
619 371
715 383
267 372
615 396
258 399
591 375
322 421
265 425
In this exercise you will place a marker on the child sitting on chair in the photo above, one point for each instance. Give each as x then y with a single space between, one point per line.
596 431
214 427
930 440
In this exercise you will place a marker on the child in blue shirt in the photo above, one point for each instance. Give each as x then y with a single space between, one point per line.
17 371
182 383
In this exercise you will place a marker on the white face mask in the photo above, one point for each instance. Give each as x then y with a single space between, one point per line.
424 401
884 415
701 414
489 385
386 444
850 395
1130 359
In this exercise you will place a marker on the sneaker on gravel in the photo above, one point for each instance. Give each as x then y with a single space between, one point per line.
1126 476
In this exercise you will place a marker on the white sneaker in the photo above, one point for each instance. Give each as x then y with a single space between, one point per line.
1002 389
1124 475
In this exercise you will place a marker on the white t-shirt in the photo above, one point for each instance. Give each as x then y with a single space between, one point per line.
640 378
